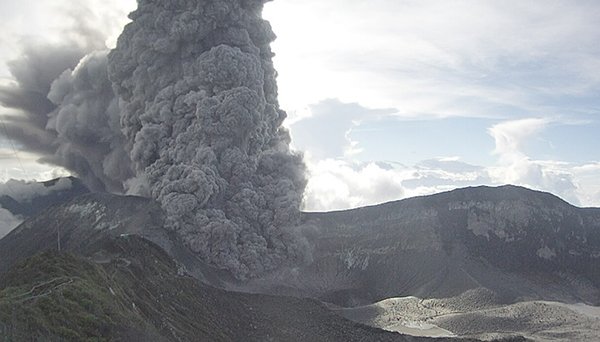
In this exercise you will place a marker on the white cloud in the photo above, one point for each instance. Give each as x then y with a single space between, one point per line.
337 181
510 136
437 58
325 132
509 61
340 184
515 167
337 184
588 187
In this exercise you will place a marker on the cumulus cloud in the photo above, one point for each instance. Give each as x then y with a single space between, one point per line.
341 184
337 184
510 135
515 167
588 190
203 129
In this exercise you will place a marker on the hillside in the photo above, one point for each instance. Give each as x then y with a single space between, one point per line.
129 289
517 246
519 243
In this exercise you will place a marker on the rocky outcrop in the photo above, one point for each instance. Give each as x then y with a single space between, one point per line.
517 242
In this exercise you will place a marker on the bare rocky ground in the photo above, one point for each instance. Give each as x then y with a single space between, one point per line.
479 314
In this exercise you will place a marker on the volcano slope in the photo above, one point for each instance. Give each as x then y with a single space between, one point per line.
125 287
477 262
474 251
518 243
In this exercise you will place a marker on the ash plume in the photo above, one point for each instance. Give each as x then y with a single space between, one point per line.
203 130
86 125
64 109
183 110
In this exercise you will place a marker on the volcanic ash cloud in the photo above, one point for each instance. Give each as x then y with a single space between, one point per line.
64 110
203 129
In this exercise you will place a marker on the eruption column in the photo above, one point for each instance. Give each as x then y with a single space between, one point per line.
202 126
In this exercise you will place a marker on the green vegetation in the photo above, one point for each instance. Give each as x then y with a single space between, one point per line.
135 292
62 297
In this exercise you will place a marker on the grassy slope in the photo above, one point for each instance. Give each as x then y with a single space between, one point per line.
137 293
62 297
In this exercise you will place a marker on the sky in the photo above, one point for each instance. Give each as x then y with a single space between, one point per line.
390 99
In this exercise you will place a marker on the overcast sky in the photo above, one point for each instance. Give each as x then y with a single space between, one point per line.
391 98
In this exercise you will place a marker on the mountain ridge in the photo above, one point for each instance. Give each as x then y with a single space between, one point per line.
518 244
514 189
459 225
505 234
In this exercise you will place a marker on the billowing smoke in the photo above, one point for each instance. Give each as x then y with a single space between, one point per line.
184 110
86 126
203 126
38 66
201 118
64 108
